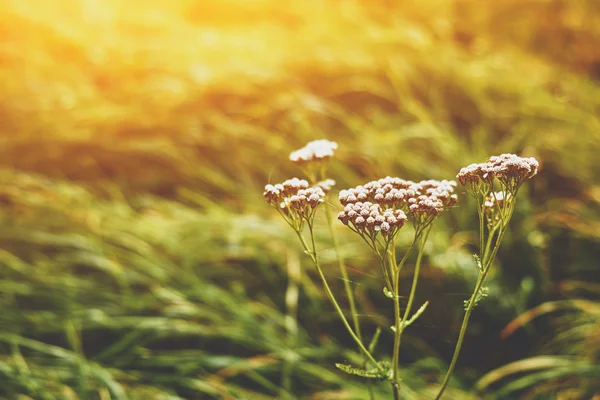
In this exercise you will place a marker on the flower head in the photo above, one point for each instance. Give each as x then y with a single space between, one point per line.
314 151
370 219
509 169
326 185
514 170
397 198
295 200
396 193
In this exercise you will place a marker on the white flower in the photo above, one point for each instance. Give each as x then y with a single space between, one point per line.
315 150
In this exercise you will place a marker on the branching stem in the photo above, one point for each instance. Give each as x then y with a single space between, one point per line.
397 311
313 255
349 292
487 256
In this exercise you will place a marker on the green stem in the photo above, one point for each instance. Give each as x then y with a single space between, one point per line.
461 336
413 288
396 352
397 313
347 287
486 253
494 250
502 226
386 275
488 256
481 212
313 255
344 273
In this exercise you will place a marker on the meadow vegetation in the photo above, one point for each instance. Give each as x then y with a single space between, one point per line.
138 259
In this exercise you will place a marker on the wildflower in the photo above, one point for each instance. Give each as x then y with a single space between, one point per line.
514 170
425 205
369 219
509 169
295 200
382 206
495 209
314 151
326 185
429 197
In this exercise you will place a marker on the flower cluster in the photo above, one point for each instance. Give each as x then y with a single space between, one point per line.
432 197
326 185
276 193
369 218
295 200
388 192
382 206
314 151
423 198
510 170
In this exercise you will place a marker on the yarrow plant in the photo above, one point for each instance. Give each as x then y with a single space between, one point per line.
376 211
494 185
295 201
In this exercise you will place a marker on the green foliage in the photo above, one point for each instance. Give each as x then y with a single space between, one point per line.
482 293
373 373
571 367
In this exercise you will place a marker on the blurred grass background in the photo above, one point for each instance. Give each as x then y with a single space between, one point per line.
138 259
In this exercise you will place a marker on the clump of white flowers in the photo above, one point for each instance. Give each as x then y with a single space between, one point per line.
316 150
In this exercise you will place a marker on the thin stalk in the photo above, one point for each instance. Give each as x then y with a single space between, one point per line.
396 352
481 213
347 287
413 288
494 250
386 275
401 263
486 253
492 255
397 313
461 335
501 235
488 256
344 272
313 255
